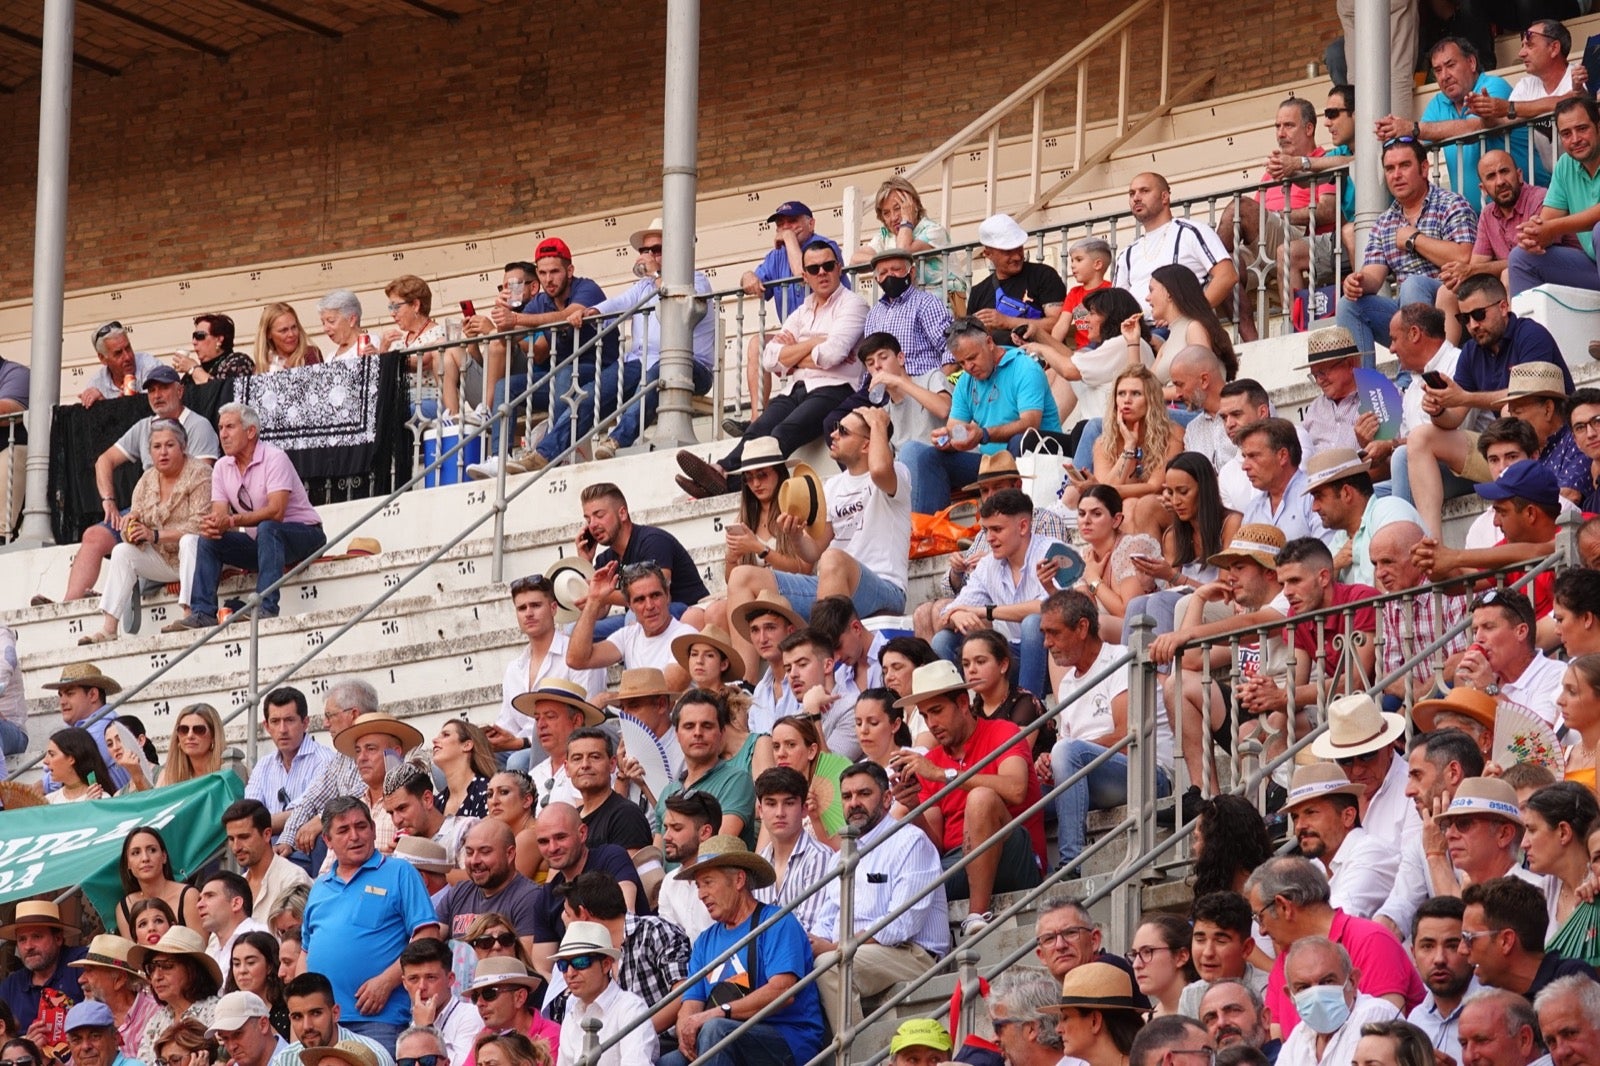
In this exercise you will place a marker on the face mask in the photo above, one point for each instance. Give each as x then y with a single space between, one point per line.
894 286
1323 1007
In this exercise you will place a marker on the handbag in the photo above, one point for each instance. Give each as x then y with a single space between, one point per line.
944 532
724 992
1041 468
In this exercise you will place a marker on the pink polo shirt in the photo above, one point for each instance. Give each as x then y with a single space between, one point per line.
1385 968
268 471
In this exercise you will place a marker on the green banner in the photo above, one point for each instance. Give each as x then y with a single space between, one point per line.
58 846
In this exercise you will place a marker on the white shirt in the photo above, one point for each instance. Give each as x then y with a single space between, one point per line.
614 1006
1180 240
1529 87
1362 874
679 903
1537 688
840 320
871 526
902 859
1089 716
1411 886
281 876
1441 1030
640 650
222 951
554 664
773 700
1444 361
552 785
1300 1049
459 1025
991 583
1391 815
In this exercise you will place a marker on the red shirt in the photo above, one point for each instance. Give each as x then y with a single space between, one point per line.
987 735
1073 309
1366 621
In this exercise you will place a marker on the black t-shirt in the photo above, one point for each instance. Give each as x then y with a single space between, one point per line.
608 858
650 544
1554 966
1036 287
616 821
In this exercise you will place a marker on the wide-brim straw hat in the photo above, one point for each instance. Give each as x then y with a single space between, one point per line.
586 938
1098 986
1467 702
758 453
801 495
712 635
636 238
178 940
996 466
35 912
363 546
1328 344
1317 780
933 679
569 583
108 951
1490 797
376 722
348 1052
1333 464
765 603
502 971
424 853
1536 379
84 675
559 690
729 852
642 681
1356 726
1258 542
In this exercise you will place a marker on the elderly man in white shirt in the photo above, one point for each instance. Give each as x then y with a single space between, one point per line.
588 962
1332 1011
1327 823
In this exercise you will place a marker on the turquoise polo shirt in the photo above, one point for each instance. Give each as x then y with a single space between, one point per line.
356 928
1463 158
733 789
1018 384
1574 189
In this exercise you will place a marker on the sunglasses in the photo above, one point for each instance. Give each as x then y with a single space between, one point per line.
109 327
1331 113
494 940
1392 141
1353 759
535 583
487 995
1477 315
827 267
577 962
200 335
650 249
161 965
17 1062
420 1060
195 730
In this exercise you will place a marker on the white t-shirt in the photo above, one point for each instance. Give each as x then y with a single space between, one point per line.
873 528
1089 716
1532 88
639 650
1180 241
1444 361
1538 687
203 444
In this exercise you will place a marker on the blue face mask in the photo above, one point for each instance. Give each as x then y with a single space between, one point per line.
1322 1007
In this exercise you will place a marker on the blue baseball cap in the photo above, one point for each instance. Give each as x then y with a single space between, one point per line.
90 1014
789 209
162 375
1525 479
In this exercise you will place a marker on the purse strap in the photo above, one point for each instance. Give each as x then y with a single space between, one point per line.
750 956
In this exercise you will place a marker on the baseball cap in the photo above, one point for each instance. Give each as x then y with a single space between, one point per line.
90 1014
789 209
920 1032
552 246
233 1010
1525 479
162 375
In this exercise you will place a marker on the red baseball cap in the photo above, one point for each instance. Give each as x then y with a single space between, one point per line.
553 246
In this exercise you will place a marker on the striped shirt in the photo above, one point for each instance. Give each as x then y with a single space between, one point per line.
276 787
809 863
1426 623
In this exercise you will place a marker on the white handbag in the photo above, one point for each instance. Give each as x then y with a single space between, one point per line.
1042 468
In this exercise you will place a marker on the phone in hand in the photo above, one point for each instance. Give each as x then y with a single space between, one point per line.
467 309
1435 380
586 539
738 529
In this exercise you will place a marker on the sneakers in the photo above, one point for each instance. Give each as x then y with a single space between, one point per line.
490 467
40 600
735 427
192 620
974 922
606 449
242 614
1594 350
708 479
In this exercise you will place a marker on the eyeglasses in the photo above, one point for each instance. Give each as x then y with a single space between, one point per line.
1528 35
533 583
1351 760
826 267
30 1062
109 327
200 335
1591 426
197 730
1144 955
1256 915
487 995
1046 939
494 940
169 1060
998 1024
650 249
395 305
1209 1053
246 501
1331 113
1476 315
420 1060
577 962
161 965
842 430
1467 937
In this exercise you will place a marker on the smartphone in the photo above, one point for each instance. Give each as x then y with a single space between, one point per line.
738 529
1019 333
586 538
466 309
92 780
1435 380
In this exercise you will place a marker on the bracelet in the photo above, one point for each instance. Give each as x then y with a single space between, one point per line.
156 535
108 499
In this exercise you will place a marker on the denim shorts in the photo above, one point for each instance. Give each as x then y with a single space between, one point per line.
873 595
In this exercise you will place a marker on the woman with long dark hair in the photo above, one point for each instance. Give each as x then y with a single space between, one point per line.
1557 821
986 666
1081 379
1199 527
146 871
253 967
74 762
1178 302
1110 577
1230 840
880 725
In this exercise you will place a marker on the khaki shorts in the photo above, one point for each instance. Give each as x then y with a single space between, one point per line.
1476 468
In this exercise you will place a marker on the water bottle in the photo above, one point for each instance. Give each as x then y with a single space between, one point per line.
878 394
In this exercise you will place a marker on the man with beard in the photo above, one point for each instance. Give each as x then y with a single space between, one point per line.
314 1021
688 820
1234 1015
43 985
892 871
1327 824
493 884
1445 969
1437 764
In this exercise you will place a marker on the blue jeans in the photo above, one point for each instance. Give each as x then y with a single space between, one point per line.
873 594
1367 319
759 1045
1400 478
1556 266
1103 787
13 739
516 385
935 474
275 547
627 428
580 416
1029 654
384 1034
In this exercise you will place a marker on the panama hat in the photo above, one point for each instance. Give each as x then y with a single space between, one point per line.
766 602
559 690
729 852
1356 726
108 951
569 583
586 938
424 853
1258 542
759 453
349 1052
1329 343
1536 379
636 238
1467 702
376 722
35 912
1489 796
178 940
363 546
1317 780
642 681
84 675
996 466
1098 986
715 637
1333 464
801 495
501 971
933 679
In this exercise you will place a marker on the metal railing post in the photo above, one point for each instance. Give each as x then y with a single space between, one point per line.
1143 707
254 698
679 306
848 858
591 1040
971 995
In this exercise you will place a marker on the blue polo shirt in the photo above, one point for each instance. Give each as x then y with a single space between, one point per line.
357 928
22 995
1463 158
1017 384
1525 341
790 295
580 291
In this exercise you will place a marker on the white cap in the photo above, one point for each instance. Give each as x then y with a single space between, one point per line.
234 1010
1001 231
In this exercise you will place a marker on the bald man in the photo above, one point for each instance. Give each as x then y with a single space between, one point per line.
1168 240
564 842
493 885
1407 628
1198 377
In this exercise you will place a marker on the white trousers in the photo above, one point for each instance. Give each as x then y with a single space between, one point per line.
129 564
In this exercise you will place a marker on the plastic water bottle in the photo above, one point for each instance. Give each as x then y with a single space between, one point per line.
878 394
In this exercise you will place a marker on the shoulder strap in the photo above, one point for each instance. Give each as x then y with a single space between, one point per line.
751 960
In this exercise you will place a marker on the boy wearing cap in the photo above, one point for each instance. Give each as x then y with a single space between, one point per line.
1327 824
588 962
92 1036
919 1042
1342 495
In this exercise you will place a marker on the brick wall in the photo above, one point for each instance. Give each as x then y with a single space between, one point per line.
410 129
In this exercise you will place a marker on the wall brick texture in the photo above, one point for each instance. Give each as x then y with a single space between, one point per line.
411 129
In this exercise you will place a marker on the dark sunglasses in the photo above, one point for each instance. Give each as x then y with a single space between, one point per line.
1477 316
198 730
1353 759
535 583
827 267
109 327
17 1062
420 1060
1392 141
650 249
494 940
200 335
577 962
488 995
1331 113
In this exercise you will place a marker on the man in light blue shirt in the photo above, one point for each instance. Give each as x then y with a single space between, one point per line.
1340 488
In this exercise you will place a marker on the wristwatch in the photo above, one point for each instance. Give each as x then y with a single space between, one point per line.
1491 689
1305 163
1511 110
727 1010
949 775
1411 243
988 613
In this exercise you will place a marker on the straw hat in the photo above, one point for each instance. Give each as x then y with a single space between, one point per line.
1098 986
1467 702
1317 780
424 853
765 603
1488 796
933 679
569 583
501 971
376 722
801 495
363 546
108 951
1333 464
84 675
178 940
559 690
348 1052
996 466
1327 344
759 452
729 852
642 681
636 238
1536 379
715 637
586 938
1356 726
1257 542
35 912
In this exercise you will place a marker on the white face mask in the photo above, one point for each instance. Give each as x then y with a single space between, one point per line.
1323 1007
